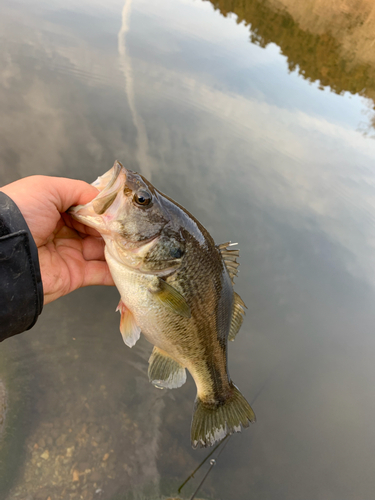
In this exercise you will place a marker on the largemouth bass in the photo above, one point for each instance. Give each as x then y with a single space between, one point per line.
176 288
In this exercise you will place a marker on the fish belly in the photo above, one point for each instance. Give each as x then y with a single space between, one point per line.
173 334
150 316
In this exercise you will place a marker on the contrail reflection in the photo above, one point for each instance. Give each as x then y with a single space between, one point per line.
142 156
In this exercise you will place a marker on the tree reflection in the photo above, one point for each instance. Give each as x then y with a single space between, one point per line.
332 44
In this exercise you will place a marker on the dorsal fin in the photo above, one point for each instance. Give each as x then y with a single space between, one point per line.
230 258
238 314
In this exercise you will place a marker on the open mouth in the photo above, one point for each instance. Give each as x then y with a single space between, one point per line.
109 185
107 180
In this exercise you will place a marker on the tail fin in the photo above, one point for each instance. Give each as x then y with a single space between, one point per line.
212 423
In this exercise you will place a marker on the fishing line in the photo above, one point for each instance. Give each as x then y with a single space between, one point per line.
212 465
200 465
213 461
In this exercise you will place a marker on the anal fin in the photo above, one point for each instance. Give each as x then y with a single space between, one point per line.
165 372
129 329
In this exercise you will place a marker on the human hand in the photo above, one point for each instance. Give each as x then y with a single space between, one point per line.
71 255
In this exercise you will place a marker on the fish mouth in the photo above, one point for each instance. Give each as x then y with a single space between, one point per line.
107 180
95 214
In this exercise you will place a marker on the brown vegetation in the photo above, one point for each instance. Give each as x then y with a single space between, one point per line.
327 41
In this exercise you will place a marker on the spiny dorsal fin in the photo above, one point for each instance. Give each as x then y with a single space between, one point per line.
230 258
237 316
165 372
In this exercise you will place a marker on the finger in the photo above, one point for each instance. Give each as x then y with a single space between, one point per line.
97 273
60 224
69 192
93 248
66 233
41 199
78 226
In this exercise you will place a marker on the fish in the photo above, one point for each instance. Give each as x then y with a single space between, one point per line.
176 287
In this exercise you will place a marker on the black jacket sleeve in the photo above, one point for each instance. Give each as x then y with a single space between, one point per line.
21 289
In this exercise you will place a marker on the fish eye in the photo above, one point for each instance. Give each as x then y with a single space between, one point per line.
176 253
142 198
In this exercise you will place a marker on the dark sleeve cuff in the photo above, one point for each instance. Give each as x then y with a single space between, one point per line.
21 289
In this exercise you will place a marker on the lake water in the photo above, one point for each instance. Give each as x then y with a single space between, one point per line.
259 120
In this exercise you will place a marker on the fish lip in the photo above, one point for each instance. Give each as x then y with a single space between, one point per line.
87 218
112 175
118 167
90 216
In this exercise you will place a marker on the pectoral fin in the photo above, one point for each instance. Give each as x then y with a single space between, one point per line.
171 298
129 329
165 372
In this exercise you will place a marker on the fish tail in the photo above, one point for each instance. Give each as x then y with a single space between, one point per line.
212 422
